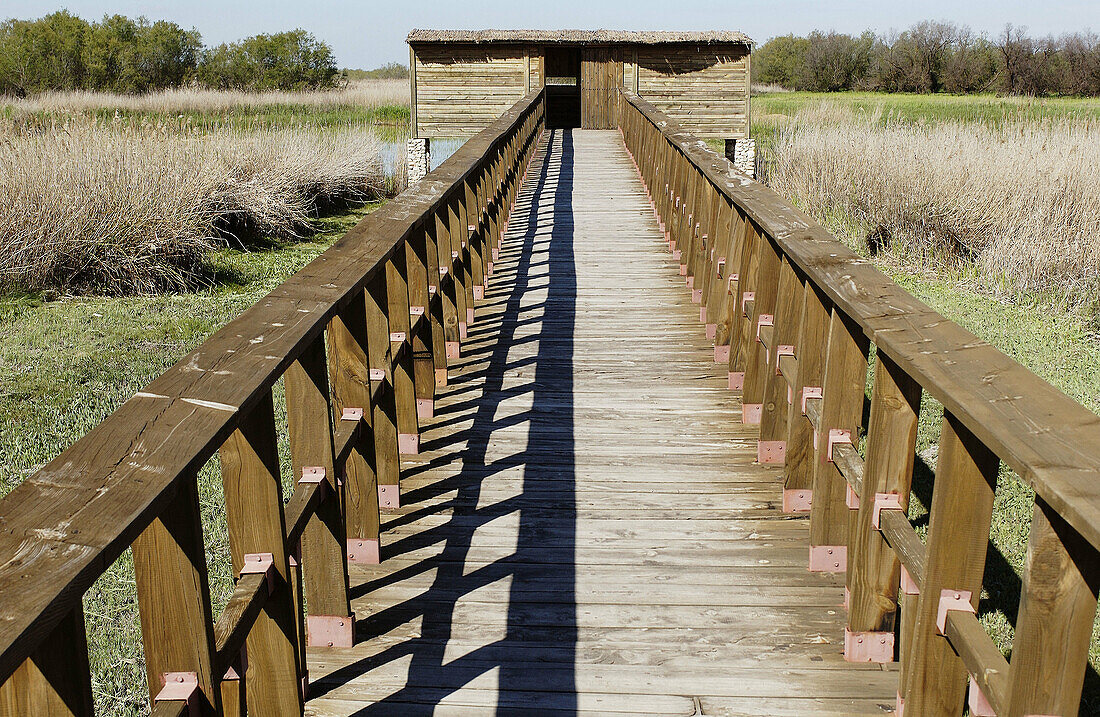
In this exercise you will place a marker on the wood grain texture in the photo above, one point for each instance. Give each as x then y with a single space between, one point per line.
966 477
586 530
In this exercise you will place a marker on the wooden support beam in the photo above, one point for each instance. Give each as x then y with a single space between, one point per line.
55 679
174 596
966 477
254 511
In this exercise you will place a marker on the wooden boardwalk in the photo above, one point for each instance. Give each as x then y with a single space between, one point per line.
586 530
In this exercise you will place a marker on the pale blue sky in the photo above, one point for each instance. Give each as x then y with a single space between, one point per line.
366 34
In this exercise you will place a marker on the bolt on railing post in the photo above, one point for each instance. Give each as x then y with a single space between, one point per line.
384 417
323 549
966 478
349 377
843 392
873 567
254 512
55 679
1054 625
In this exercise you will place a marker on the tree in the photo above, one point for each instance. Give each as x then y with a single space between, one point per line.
44 54
283 61
780 61
835 61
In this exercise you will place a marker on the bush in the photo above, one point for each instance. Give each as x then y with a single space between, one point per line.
293 60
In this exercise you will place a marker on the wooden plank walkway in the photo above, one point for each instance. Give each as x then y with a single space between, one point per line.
586 531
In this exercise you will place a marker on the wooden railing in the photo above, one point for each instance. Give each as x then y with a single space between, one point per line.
794 313
361 337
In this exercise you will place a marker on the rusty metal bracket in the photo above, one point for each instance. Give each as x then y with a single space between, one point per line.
884 501
809 392
180 687
836 436
260 564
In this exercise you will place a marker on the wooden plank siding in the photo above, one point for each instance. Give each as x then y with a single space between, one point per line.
460 89
705 89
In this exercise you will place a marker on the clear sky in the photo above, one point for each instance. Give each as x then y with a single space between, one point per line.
367 34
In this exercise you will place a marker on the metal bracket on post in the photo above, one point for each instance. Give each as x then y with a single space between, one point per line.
364 551
851 498
761 322
781 351
377 374
797 500
180 687
351 414
908 584
260 564
836 435
884 501
730 281
746 297
976 699
330 630
809 392
952 600
313 474
868 646
397 337
828 558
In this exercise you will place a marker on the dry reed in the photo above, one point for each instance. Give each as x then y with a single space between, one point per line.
366 94
1016 206
119 207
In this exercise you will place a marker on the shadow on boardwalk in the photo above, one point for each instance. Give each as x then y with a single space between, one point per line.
540 632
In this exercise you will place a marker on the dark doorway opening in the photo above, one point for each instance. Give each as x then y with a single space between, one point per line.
563 87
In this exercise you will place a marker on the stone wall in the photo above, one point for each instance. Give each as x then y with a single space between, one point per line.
417 158
742 152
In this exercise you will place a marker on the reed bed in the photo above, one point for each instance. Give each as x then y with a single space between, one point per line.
132 208
361 94
1014 206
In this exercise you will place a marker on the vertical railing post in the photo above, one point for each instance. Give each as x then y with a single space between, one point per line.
1054 626
424 318
873 567
843 393
323 551
400 329
384 416
958 533
765 290
460 269
778 394
349 375
173 589
254 511
743 334
450 306
798 471
728 313
55 679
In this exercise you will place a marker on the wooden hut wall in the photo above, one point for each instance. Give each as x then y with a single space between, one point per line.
460 89
705 88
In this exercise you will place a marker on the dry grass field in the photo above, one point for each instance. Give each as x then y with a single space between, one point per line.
1013 206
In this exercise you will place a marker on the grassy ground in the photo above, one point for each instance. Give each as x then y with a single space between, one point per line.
65 365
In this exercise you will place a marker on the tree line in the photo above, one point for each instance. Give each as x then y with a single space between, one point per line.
933 57
62 51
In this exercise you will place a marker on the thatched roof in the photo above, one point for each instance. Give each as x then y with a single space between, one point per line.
579 37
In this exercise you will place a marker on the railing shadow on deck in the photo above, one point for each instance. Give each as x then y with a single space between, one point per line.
543 630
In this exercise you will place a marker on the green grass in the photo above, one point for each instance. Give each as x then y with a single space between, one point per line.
986 108
66 365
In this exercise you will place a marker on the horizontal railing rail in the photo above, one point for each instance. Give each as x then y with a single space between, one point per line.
794 313
361 337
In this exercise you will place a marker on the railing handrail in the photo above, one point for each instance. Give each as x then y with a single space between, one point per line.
1050 440
65 525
